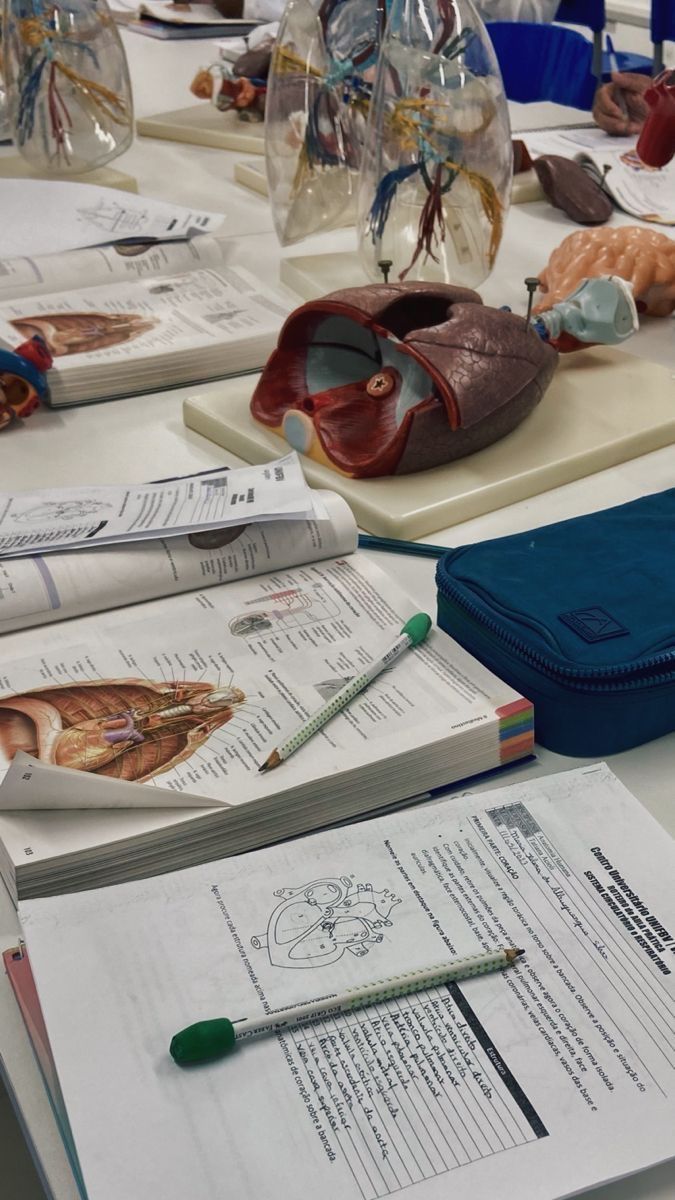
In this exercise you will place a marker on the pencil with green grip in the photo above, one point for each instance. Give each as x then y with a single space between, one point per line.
414 631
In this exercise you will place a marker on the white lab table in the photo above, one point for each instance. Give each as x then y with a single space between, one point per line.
144 437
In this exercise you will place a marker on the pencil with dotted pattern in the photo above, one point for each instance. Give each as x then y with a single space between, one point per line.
207 1040
414 631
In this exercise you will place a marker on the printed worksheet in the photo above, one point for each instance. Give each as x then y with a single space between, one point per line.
42 588
83 214
115 263
555 1075
53 519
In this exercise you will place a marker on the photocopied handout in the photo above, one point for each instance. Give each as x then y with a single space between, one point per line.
82 214
552 1076
53 519
40 588
114 263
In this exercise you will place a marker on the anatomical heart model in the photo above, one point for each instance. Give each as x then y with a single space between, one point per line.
124 728
437 163
318 93
67 84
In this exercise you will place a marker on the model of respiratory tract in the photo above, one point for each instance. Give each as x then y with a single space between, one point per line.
389 379
23 382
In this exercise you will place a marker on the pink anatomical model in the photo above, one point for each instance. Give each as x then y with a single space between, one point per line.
643 257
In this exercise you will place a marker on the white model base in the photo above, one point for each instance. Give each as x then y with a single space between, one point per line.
252 175
204 125
314 275
602 408
16 167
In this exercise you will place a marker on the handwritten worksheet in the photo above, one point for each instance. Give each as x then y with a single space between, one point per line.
557 1074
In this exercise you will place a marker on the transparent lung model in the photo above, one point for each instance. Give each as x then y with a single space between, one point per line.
436 169
318 97
68 88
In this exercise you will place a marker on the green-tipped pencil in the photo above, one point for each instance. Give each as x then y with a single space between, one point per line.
414 631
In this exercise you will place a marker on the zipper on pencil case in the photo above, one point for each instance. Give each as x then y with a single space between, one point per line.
614 677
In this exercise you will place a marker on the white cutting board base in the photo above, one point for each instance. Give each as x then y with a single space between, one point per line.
602 408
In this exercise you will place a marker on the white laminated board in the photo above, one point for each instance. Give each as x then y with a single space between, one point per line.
16 167
602 408
252 175
204 125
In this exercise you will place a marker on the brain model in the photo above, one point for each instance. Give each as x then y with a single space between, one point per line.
643 257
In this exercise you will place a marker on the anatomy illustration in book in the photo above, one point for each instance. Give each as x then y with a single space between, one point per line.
314 925
125 728
281 611
60 510
82 332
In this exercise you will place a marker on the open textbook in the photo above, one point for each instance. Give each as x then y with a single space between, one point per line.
642 191
123 319
540 1081
188 695
194 13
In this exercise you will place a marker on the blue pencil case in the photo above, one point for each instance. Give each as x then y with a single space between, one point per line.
579 616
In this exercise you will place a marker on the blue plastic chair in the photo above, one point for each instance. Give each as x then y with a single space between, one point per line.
591 14
662 29
544 62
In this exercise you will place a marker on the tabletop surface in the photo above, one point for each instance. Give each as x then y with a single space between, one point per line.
144 437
